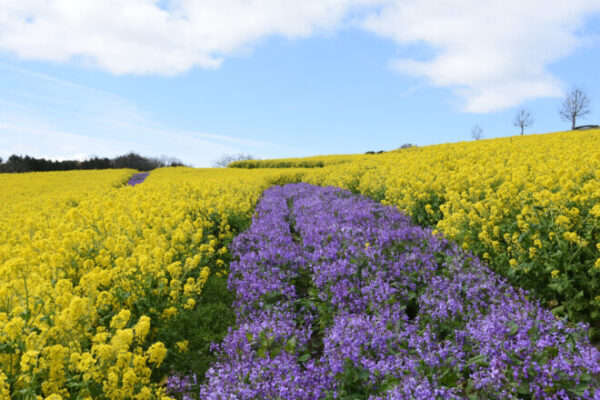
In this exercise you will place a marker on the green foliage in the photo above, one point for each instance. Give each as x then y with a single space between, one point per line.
426 212
355 384
207 323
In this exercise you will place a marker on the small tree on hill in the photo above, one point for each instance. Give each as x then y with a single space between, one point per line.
476 132
575 105
523 120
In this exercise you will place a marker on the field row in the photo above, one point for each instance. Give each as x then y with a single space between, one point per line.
341 297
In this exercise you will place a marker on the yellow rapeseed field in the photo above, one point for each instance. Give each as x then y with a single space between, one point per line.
90 270
95 275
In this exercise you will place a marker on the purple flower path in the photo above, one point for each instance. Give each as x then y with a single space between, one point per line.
341 297
138 178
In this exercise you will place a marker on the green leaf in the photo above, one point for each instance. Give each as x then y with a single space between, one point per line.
290 346
480 360
523 388
514 328
304 358
558 310
449 378
262 352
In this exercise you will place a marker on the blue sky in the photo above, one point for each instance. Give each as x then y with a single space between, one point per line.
276 80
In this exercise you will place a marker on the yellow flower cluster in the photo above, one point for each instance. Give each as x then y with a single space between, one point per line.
528 204
89 269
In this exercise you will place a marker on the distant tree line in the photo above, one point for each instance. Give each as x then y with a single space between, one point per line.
17 163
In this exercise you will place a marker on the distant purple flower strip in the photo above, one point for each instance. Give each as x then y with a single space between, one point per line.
391 312
138 178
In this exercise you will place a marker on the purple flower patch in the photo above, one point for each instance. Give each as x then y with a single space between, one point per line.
341 297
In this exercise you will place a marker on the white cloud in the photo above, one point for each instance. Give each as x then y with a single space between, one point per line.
494 53
76 157
150 36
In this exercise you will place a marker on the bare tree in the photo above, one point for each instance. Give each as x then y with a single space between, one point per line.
476 132
227 159
523 120
575 105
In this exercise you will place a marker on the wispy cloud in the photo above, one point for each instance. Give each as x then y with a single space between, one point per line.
62 82
58 118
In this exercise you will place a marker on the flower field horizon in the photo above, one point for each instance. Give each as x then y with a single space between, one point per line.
117 292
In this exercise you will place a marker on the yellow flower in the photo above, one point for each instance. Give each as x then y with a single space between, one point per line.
513 262
14 328
182 346
571 237
144 394
174 269
122 339
532 252
120 320
190 304
142 328
156 353
4 387
554 273
169 313
86 365
29 360
562 220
